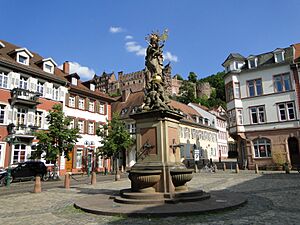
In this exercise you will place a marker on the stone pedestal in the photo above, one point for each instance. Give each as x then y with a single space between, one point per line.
158 167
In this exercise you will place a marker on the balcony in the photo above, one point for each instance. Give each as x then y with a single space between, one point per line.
21 130
24 97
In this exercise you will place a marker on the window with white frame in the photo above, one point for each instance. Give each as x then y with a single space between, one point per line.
21 116
81 103
254 87
279 56
40 88
74 81
237 93
102 108
79 158
229 91
72 124
282 82
48 68
92 106
72 101
232 118
91 128
240 116
19 153
23 83
2 155
3 80
81 126
23 59
262 147
92 87
252 63
55 94
286 111
2 113
38 119
257 114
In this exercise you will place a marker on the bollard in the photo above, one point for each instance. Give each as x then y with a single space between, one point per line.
237 170
117 175
224 167
256 169
37 185
93 179
122 169
67 180
286 168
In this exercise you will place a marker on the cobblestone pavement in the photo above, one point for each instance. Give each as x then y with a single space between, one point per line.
273 198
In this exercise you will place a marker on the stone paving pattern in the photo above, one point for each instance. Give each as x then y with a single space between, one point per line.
273 198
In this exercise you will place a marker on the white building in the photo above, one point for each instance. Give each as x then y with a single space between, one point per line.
262 107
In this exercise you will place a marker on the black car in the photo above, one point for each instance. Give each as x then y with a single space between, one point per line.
28 170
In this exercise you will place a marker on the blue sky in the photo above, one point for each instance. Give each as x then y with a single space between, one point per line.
110 35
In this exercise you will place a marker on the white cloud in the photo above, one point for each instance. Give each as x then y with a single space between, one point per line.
132 46
116 30
84 72
170 57
128 37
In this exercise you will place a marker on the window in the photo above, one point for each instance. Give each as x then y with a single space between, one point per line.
92 87
131 128
102 108
19 153
286 111
72 101
71 126
240 116
279 57
254 87
38 119
74 81
23 83
229 92
80 126
79 158
23 59
236 65
92 106
282 82
186 133
3 80
257 114
81 103
237 93
21 116
252 63
55 94
2 113
40 88
48 68
232 118
91 128
262 147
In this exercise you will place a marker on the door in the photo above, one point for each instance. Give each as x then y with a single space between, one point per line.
294 151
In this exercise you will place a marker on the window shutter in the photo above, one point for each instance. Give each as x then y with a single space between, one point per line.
30 119
105 108
76 101
67 99
76 122
86 123
10 115
97 106
96 125
87 102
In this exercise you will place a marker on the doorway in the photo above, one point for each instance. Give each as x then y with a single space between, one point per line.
294 151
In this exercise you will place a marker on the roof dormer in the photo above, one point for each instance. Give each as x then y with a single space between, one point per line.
234 62
22 55
73 78
252 61
278 55
92 87
47 65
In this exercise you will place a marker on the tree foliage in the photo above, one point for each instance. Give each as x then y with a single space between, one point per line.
186 92
192 77
178 76
115 138
59 139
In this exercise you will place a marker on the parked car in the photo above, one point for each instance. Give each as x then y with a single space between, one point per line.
28 170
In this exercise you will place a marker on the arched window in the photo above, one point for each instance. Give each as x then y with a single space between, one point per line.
262 147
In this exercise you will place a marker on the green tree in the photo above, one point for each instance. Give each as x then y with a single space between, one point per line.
58 140
178 76
192 77
186 92
115 139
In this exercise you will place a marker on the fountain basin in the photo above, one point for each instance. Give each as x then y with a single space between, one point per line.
180 177
144 180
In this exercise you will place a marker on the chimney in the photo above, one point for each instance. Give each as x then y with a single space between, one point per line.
66 67
125 94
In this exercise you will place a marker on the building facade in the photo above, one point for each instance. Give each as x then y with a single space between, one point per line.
263 107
